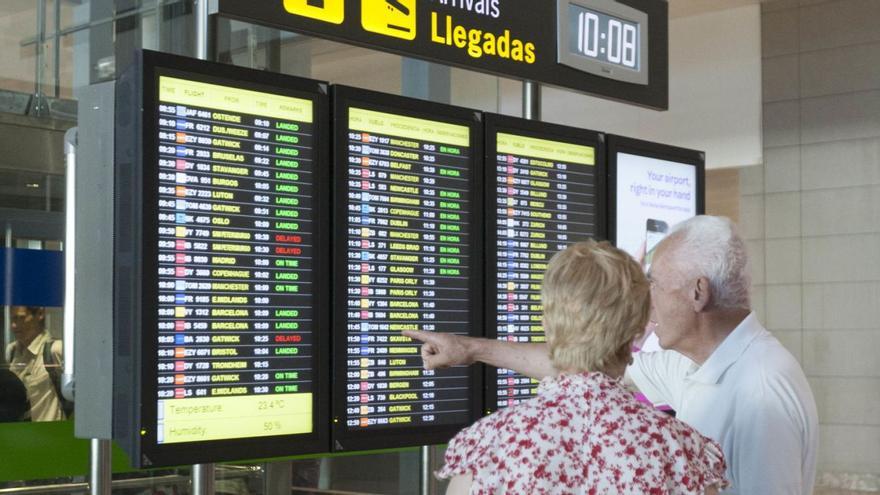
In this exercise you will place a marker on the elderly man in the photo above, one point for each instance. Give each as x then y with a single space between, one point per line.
595 303
721 371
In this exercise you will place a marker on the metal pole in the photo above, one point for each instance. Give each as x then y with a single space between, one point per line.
70 143
56 49
39 57
48 201
425 80
277 478
7 285
203 479
101 480
202 474
425 478
201 14
531 100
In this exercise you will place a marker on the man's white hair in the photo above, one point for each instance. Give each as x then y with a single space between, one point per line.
709 246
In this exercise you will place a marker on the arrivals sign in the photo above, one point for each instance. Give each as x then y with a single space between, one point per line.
585 45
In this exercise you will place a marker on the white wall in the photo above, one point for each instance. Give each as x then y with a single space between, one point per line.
714 92
812 217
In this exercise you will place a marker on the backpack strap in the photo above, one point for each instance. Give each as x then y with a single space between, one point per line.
53 368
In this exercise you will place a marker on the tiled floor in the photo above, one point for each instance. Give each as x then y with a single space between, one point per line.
829 491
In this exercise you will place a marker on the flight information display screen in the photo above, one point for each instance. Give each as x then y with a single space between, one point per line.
234 323
546 191
235 263
407 259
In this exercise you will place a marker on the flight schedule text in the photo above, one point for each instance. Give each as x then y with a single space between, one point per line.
408 201
235 178
545 194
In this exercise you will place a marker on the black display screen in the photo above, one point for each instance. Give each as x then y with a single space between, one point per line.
546 191
232 276
407 257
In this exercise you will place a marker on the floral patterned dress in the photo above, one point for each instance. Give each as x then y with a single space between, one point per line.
584 434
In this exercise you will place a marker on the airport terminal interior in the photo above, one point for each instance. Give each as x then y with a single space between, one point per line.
773 121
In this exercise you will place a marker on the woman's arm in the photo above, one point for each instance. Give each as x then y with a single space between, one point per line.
461 485
441 350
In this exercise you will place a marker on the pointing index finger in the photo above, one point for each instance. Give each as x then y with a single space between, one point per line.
419 335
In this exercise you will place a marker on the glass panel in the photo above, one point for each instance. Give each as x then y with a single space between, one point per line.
32 317
77 42
174 481
31 190
18 24
353 66
63 70
237 479
377 473
34 356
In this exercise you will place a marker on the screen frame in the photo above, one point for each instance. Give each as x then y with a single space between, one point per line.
541 130
343 98
136 294
595 65
622 144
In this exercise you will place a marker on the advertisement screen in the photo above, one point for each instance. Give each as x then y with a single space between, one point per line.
546 192
230 338
408 214
652 196
655 187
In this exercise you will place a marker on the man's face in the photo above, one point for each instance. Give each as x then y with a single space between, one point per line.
24 323
671 307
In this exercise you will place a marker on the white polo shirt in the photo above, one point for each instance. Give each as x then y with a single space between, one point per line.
750 396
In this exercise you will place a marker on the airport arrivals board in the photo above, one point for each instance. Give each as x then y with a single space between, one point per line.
242 331
546 190
406 257
235 262
231 313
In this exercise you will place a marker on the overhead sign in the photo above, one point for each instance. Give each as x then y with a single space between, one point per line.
524 39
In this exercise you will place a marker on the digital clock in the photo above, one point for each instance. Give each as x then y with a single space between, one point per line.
605 38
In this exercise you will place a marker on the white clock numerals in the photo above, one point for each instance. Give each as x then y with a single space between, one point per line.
620 39
610 42
615 38
588 34
630 43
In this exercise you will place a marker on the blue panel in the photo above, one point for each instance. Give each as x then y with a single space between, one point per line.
31 277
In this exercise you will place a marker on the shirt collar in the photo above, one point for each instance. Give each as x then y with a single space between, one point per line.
729 351
584 380
36 346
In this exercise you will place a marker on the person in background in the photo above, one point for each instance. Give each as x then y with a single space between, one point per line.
720 369
585 432
14 404
35 357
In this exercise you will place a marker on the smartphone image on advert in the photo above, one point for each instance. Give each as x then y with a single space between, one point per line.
655 231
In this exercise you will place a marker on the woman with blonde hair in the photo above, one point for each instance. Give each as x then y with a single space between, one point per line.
585 433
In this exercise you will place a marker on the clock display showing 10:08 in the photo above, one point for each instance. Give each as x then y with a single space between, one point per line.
603 37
